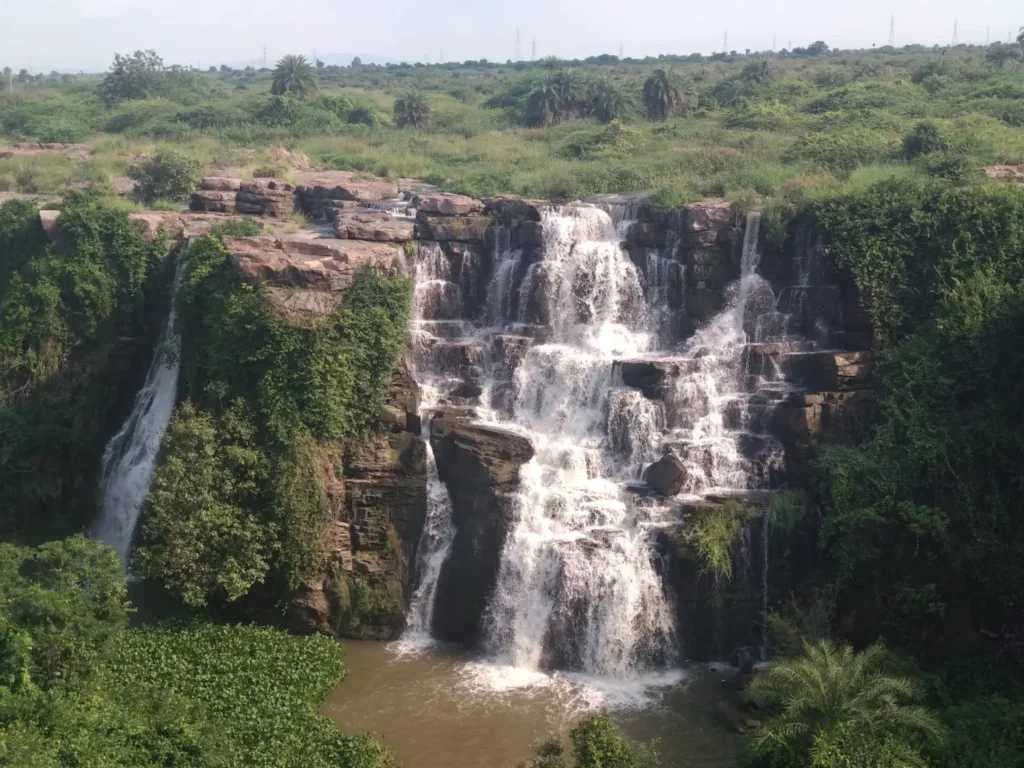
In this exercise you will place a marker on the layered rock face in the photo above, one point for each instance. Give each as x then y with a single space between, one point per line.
377 513
258 197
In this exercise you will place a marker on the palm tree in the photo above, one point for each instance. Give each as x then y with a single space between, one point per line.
762 70
607 101
294 74
412 110
1002 55
831 695
573 91
543 103
664 95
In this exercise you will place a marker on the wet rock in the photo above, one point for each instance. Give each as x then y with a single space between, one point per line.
373 225
666 476
530 233
480 465
447 204
817 371
646 375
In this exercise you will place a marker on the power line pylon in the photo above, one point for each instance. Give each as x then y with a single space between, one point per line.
956 35
725 42
519 48
533 52
892 32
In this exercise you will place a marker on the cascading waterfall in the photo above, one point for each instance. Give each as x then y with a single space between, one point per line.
576 586
130 457
434 296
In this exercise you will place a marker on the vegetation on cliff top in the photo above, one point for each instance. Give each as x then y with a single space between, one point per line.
239 496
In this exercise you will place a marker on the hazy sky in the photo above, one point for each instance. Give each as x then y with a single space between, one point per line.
84 34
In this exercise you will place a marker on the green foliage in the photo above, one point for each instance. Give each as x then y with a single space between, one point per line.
714 532
168 176
63 316
294 74
926 138
139 76
259 686
412 110
608 101
239 496
664 95
786 509
198 536
833 707
841 151
270 172
597 742
923 514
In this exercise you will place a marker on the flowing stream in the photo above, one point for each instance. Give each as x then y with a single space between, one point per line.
130 456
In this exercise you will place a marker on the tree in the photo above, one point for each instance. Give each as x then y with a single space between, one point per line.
608 102
197 536
24 76
167 176
832 700
1020 37
762 70
1002 55
357 62
293 74
61 607
664 95
139 76
412 110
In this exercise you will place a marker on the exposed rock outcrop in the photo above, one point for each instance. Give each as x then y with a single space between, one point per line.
265 197
309 276
318 191
373 225
480 465
377 515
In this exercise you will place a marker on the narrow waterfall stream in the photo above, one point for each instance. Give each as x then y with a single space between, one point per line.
130 457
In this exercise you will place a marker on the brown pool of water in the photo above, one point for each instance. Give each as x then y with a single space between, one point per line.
438 709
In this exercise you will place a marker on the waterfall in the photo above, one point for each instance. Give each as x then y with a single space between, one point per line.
130 457
576 587
435 301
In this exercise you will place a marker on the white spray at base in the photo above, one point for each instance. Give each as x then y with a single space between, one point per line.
130 457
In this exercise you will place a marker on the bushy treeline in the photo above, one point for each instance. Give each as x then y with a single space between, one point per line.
79 688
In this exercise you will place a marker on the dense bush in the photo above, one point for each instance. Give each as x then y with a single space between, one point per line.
597 742
167 176
922 517
70 321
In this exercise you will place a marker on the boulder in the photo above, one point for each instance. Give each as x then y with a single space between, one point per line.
373 225
220 184
464 229
214 201
480 465
265 197
447 204
666 476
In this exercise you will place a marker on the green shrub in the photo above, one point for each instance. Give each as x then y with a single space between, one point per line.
955 167
270 172
714 532
169 175
925 139
597 742
840 151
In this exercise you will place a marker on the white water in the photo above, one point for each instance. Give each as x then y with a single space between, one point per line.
434 297
577 588
130 456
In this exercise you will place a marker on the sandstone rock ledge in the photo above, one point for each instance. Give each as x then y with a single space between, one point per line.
308 277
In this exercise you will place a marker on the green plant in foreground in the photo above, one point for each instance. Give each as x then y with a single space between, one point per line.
837 707
597 742
715 531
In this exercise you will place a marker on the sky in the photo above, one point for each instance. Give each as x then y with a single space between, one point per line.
73 35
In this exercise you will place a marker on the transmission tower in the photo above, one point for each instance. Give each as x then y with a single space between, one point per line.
775 42
892 32
263 61
519 48
441 60
622 51
956 36
725 42
533 52
988 36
